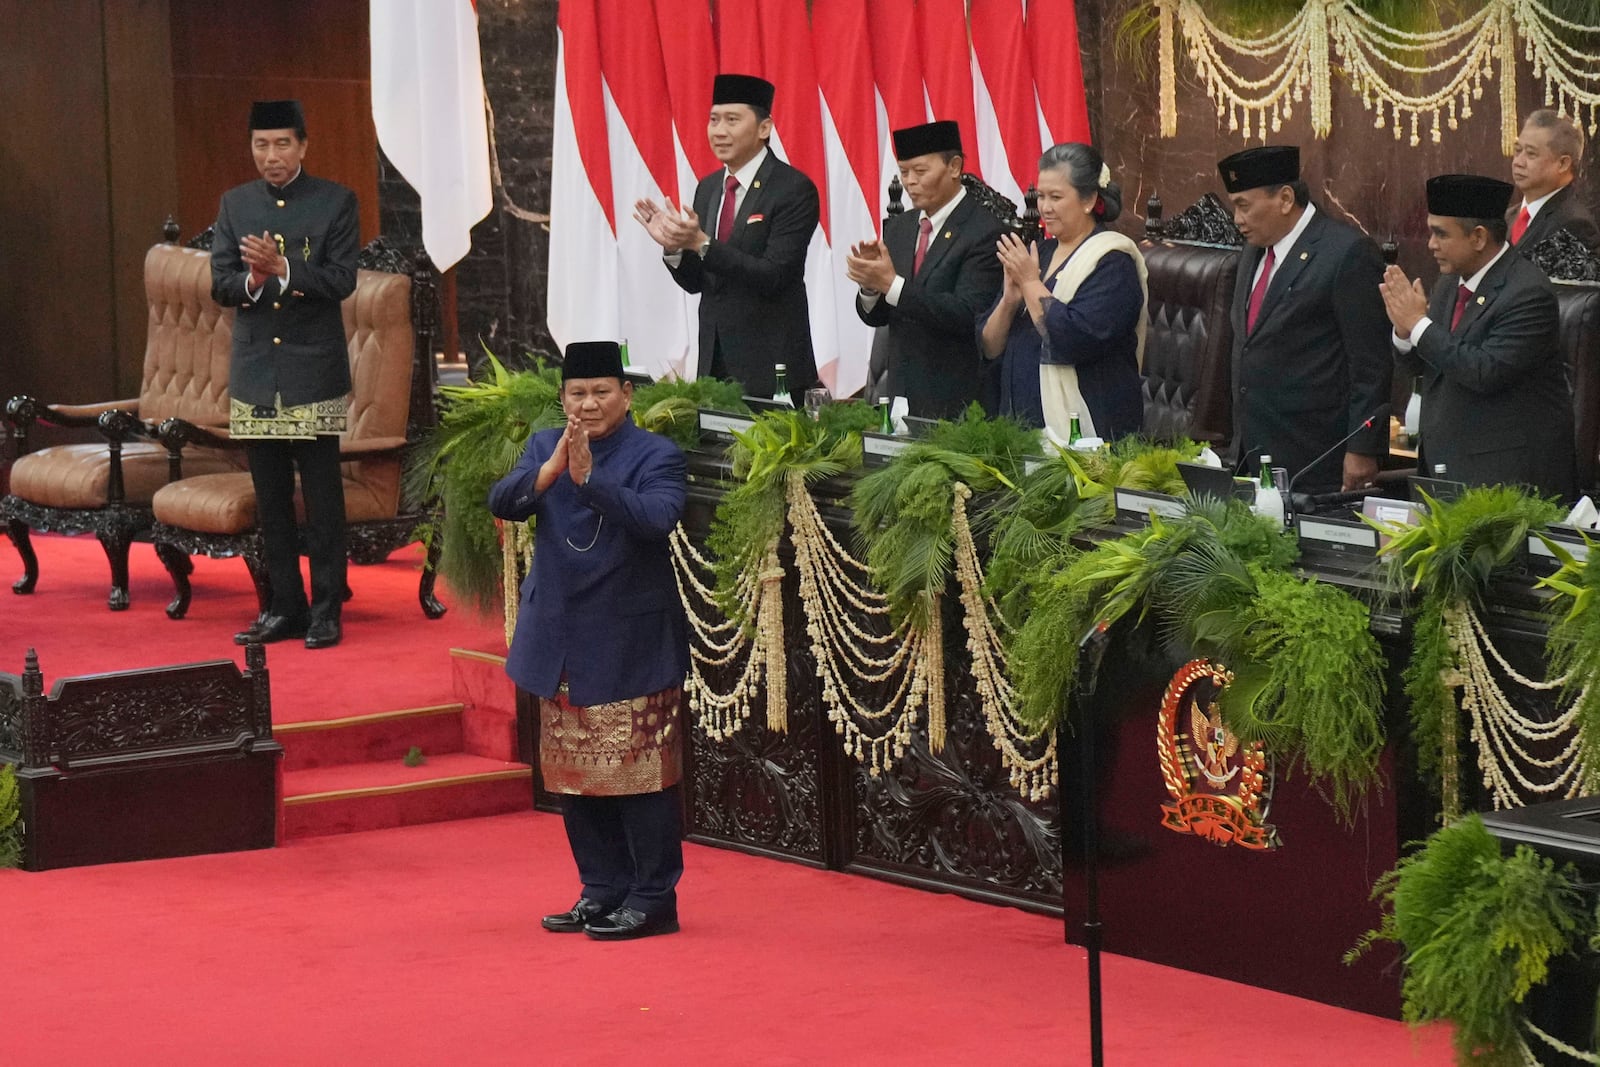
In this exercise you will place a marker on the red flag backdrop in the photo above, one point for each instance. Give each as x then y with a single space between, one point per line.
635 86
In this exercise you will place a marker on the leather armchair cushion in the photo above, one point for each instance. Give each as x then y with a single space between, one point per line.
78 476
1189 345
188 340
1580 343
226 503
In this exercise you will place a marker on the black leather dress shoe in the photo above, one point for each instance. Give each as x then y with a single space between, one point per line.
324 633
270 628
625 924
573 922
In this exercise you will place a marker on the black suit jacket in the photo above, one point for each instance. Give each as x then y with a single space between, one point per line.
1496 404
1563 211
1317 365
752 287
932 337
290 343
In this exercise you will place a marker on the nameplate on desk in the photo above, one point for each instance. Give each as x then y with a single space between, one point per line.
1338 535
1567 539
722 422
876 444
1142 504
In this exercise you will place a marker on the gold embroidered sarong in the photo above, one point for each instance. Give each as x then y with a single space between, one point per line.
616 749
295 422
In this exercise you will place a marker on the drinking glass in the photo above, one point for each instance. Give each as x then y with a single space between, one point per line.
816 400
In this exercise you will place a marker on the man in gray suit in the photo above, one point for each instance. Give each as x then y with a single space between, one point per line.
284 254
1496 404
1310 343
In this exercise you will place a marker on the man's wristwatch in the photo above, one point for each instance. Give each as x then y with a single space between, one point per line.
703 246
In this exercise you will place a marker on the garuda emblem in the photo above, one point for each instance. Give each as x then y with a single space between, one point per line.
1221 788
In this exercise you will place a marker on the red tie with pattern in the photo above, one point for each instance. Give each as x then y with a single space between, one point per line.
1259 293
1463 294
924 228
1520 227
730 190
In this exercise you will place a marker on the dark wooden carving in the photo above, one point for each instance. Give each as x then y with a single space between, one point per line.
1207 221
1562 256
992 201
142 764
202 240
896 191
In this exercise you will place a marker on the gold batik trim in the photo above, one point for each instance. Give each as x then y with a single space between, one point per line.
293 422
615 749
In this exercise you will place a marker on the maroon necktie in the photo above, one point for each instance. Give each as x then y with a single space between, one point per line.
924 228
725 216
1520 227
1463 294
1259 293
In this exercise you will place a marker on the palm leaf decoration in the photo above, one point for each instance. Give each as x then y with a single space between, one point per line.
1478 929
672 407
10 818
1573 645
750 517
903 512
483 428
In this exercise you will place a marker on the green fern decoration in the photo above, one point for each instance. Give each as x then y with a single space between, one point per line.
903 512
1449 557
751 515
482 431
10 818
1478 930
672 408
1573 645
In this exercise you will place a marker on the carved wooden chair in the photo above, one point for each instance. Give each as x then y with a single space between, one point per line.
1575 273
105 487
390 322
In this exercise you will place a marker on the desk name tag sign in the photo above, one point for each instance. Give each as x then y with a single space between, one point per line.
877 444
1337 535
724 423
1564 536
1140 504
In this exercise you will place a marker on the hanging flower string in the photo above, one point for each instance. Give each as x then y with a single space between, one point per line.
1382 62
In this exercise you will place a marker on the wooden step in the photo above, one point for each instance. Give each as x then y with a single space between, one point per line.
345 798
377 737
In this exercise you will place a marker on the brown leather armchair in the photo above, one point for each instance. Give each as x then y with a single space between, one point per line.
105 487
389 323
1188 354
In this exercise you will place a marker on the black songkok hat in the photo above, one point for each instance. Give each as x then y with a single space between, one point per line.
1468 196
277 115
1273 164
592 359
743 89
924 140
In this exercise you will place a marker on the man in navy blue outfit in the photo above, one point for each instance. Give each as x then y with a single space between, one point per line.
602 640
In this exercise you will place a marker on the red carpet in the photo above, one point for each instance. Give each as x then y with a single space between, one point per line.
392 656
420 946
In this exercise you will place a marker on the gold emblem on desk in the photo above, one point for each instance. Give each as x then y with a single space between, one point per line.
1221 788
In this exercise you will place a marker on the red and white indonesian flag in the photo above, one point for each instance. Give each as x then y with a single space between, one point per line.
633 88
427 105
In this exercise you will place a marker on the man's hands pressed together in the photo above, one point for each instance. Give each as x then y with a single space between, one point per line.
261 255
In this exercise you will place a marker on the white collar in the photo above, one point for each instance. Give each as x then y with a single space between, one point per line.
1476 280
1532 206
747 173
1281 247
938 218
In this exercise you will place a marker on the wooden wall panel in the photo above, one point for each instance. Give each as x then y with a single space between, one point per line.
56 279
226 55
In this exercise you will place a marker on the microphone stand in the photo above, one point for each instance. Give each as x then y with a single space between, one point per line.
1288 492
1091 648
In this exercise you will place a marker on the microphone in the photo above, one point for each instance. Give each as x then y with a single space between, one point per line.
1381 413
1239 466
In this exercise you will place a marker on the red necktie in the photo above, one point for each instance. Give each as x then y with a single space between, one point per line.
1520 227
924 228
730 190
1259 293
1463 294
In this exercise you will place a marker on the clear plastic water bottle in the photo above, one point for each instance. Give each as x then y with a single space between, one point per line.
780 386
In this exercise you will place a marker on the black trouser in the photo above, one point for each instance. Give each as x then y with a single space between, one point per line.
629 849
272 468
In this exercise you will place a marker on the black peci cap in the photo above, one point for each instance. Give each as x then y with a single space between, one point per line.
592 359
1468 196
277 115
931 137
1256 167
742 89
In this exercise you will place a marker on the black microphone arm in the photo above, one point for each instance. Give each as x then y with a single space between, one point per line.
1382 413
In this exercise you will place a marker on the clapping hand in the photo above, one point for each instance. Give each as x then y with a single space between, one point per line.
869 266
580 461
1019 261
261 256
1403 300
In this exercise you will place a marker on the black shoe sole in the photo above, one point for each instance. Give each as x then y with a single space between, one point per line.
668 927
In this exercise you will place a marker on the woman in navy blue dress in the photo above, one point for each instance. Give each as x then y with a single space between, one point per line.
1069 325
